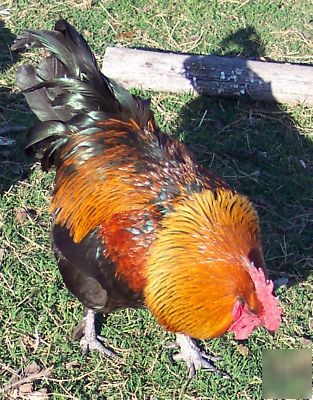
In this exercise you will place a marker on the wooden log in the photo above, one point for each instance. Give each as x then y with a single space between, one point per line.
210 75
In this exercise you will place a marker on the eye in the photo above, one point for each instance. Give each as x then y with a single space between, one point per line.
255 256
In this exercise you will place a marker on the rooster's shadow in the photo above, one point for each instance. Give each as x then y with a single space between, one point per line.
259 150
14 119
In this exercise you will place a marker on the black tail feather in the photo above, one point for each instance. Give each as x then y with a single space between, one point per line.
70 70
67 89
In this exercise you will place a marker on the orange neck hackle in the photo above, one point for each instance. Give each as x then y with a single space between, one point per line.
195 275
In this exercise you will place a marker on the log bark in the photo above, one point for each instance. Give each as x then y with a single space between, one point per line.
210 75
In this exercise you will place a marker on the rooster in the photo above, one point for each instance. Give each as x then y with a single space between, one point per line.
136 221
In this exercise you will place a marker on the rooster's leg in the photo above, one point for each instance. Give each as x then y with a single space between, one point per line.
194 357
90 340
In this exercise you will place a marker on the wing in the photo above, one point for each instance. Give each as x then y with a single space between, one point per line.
89 275
119 169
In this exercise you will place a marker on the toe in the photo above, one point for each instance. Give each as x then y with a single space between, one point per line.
191 371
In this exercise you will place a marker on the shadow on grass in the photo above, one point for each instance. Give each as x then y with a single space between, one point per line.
258 149
14 118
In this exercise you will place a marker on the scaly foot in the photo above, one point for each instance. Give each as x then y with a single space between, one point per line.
194 357
90 340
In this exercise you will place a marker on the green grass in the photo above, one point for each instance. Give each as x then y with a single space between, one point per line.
264 150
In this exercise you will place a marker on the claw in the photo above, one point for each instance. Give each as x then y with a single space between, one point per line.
194 357
90 340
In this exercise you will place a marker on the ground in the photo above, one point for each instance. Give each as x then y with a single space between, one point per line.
264 150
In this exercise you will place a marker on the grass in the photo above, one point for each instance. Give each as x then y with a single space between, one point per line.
264 150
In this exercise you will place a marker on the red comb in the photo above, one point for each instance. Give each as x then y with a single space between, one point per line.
271 315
